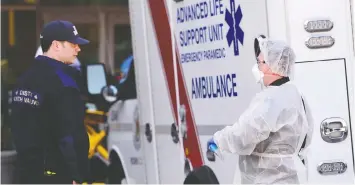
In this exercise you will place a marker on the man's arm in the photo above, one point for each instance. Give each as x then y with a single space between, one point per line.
253 126
66 111
27 133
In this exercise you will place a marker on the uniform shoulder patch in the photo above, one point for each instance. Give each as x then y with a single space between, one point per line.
28 97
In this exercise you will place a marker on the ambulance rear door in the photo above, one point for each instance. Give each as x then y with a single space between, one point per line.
321 37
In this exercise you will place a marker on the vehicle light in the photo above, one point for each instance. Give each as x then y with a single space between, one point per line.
320 42
318 25
332 168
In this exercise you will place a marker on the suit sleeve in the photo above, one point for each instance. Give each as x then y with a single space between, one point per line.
253 126
66 112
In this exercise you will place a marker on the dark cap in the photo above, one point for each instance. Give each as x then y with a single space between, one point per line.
62 31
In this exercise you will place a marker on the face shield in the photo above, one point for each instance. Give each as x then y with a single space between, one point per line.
257 46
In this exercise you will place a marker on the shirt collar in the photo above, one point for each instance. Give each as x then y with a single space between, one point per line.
280 81
51 61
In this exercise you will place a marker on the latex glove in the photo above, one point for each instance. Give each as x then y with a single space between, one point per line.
212 146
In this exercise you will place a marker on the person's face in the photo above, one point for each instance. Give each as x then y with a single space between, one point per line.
67 52
269 76
263 67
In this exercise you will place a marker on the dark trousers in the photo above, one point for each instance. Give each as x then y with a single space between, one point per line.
57 179
40 178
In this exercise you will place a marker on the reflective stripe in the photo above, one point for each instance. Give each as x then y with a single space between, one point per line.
49 173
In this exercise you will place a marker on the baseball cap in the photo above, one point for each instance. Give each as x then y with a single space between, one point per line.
62 31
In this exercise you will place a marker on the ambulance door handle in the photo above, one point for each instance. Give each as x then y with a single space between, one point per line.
148 132
174 132
333 130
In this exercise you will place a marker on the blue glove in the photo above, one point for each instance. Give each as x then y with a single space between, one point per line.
212 146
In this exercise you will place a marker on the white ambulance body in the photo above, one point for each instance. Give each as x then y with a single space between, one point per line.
193 61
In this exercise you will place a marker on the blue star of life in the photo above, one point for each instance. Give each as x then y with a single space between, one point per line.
235 32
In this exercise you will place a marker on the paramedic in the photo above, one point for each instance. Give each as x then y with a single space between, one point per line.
47 112
269 135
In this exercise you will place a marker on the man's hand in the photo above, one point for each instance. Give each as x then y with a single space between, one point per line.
212 146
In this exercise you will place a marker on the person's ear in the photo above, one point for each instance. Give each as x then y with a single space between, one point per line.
57 45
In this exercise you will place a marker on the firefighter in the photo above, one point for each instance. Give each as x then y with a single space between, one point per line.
48 113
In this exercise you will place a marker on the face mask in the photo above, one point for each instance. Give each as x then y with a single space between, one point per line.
258 75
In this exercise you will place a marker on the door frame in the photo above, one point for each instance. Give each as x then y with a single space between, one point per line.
114 18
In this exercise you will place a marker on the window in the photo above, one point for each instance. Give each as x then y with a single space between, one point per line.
124 62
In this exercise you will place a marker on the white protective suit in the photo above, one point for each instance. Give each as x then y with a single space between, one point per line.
269 134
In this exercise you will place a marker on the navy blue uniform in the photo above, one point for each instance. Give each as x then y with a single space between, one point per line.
48 124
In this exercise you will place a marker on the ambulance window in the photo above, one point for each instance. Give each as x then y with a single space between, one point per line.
124 62
123 44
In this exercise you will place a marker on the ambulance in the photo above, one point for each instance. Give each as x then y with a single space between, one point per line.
192 63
